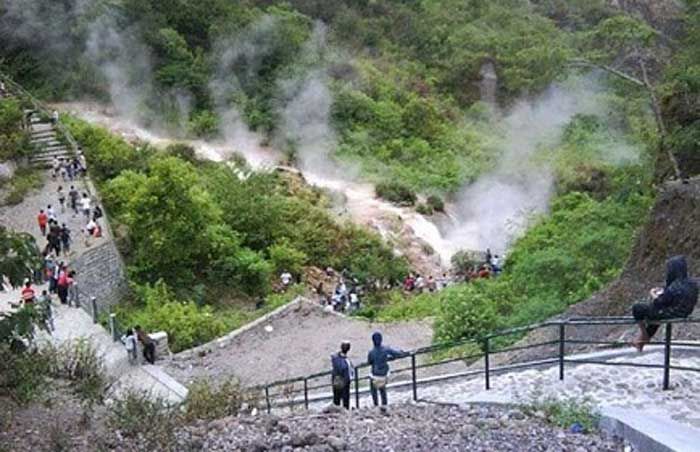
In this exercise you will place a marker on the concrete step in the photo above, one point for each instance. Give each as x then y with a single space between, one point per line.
51 154
42 127
48 157
44 137
41 134
46 143
53 147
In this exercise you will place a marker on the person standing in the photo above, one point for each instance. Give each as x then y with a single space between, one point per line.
73 299
51 213
341 375
42 219
378 358
45 303
149 346
55 167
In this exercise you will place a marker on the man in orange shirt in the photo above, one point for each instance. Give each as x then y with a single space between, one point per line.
43 219
28 293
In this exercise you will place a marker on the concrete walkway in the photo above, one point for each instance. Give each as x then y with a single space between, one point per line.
73 323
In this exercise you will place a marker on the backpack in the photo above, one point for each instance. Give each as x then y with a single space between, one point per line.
63 279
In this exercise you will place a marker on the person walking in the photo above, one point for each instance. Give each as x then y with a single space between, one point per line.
73 195
43 220
85 205
45 303
65 239
73 299
62 285
676 300
28 293
342 374
61 198
378 358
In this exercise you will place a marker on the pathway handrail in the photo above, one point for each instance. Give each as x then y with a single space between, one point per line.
483 341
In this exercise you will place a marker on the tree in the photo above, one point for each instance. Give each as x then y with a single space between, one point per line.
19 256
635 52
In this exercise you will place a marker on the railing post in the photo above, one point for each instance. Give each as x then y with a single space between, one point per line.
562 342
667 357
487 372
267 399
93 304
113 326
357 387
413 377
306 393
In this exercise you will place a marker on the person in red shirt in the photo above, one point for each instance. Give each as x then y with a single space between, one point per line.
28 293
43 219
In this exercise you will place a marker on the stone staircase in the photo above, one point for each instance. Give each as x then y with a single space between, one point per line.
44 138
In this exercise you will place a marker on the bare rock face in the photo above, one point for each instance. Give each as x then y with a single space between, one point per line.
489 83
7 170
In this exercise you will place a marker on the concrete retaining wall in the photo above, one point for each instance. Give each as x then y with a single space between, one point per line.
101 274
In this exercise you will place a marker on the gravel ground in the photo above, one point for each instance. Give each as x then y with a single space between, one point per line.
402 428
300 342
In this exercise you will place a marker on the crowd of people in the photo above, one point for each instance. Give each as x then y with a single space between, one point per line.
69 169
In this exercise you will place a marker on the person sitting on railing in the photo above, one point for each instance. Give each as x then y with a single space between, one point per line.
378 359
341 375
676 300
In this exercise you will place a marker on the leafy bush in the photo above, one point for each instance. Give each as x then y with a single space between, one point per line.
22 183
208 401
567 412
396 192
285 257
436 203
78 361
23 375
424 209
140 415
204 124
186 323
14 141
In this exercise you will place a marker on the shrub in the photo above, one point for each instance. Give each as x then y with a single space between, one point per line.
24 181
208 401
23 375
424 209
283 257
149 419
79 362
186 323
204 124
396 192
435 203
567 412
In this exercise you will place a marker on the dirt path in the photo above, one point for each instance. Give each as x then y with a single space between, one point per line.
301 341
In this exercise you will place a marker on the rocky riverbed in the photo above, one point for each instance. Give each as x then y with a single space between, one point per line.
402 428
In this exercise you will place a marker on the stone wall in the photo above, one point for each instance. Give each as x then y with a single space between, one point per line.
101 274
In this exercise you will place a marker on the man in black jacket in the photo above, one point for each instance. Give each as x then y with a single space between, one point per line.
341 375
676 300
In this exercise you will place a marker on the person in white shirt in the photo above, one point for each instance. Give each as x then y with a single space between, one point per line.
286 278
85 205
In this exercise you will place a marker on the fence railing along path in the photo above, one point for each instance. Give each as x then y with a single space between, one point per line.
313 388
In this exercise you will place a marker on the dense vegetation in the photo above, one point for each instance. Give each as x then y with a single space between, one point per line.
405 106
196 235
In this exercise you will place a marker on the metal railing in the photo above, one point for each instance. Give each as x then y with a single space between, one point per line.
305 390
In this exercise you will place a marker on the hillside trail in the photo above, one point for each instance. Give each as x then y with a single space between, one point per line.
416 236
73 323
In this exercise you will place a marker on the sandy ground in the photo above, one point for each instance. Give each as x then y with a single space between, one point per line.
300 342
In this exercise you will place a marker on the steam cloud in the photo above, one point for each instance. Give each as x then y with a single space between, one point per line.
496 208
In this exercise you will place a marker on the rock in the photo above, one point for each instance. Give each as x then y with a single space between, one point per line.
517 415
308 439
257 446
7 170
336 443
